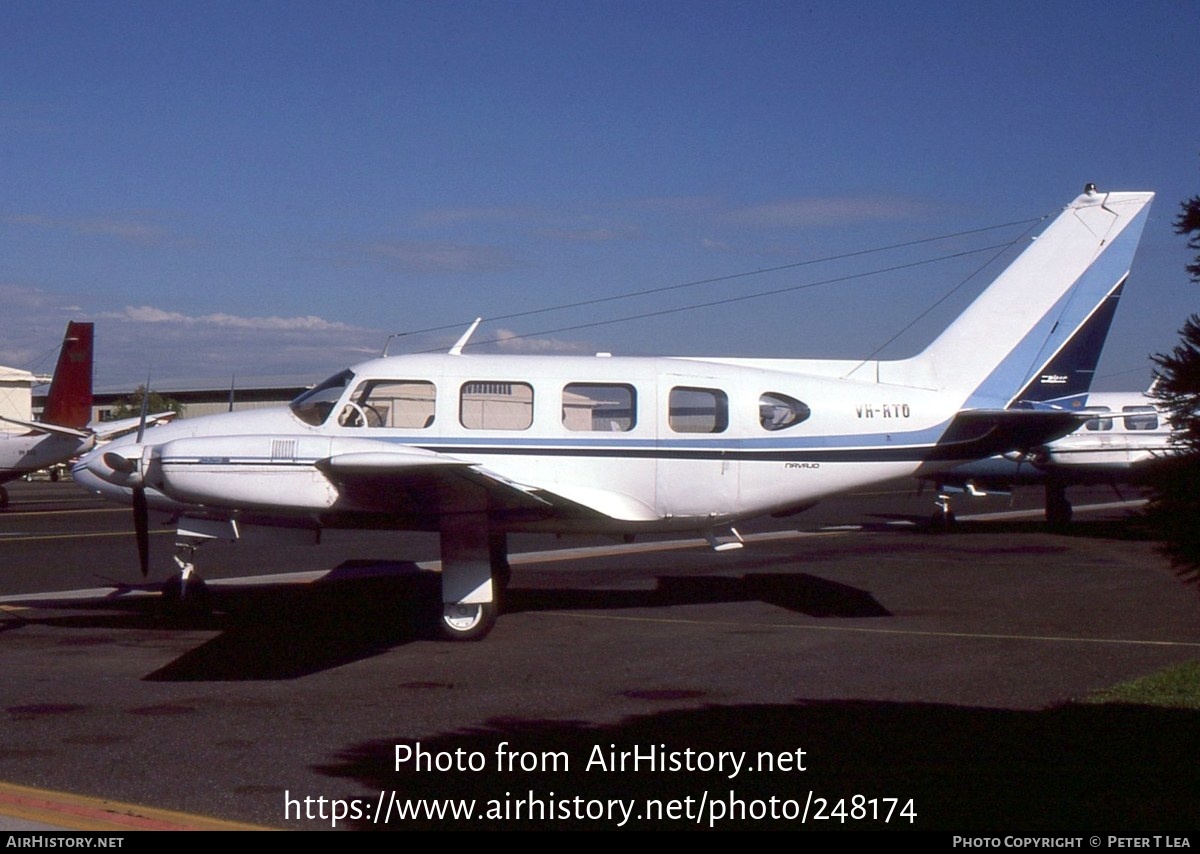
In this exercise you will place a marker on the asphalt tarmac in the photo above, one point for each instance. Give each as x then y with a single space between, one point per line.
844 670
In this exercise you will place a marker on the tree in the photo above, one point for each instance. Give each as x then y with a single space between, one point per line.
1174 509
1188 222
131 406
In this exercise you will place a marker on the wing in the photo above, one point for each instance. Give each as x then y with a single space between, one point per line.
106 430
54 429
413 481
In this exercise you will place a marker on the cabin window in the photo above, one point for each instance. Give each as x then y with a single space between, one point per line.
1098 423
405 404
698 410
607 407
779 411
488 405
314 405
1140 417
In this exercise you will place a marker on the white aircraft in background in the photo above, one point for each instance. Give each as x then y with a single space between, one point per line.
64 431
474 447
1127 433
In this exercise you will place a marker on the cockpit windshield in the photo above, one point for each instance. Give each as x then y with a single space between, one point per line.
314 405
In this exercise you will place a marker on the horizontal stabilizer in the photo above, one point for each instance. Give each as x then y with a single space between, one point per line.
977 433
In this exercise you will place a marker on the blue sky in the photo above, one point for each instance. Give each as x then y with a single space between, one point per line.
274 188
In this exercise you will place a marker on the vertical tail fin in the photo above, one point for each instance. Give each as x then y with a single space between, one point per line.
1049 310
69 402
1065 380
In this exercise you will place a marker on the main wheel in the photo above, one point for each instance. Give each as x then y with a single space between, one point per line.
3 497
466 621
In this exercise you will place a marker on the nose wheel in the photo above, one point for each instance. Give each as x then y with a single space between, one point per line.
186 594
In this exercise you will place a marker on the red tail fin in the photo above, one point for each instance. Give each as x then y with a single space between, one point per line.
69 403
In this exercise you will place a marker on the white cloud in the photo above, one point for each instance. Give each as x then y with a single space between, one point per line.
454 216
150 314
599 234
31 326
171 345
832 210
128 229
507 339
678 204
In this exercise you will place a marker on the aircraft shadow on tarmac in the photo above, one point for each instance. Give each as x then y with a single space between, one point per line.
1111 768
1132 527
363 608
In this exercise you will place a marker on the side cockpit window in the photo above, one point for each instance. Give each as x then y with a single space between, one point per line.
402 404
779 411
313 406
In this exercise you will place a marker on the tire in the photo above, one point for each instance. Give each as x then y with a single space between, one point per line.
463 623
943 521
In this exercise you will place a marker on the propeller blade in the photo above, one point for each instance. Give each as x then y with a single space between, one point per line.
145 410
141 527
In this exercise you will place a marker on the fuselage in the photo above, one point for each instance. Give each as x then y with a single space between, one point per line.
21 453
1127 434
632 442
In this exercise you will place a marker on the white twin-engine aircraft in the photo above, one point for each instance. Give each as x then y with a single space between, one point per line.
474 447
1125 436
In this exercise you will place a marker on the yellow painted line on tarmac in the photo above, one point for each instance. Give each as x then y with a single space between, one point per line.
77 812
874 631
9 514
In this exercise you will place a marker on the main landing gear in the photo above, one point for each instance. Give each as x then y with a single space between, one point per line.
3 497
475 571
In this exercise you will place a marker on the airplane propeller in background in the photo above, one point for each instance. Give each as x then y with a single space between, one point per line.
141 513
